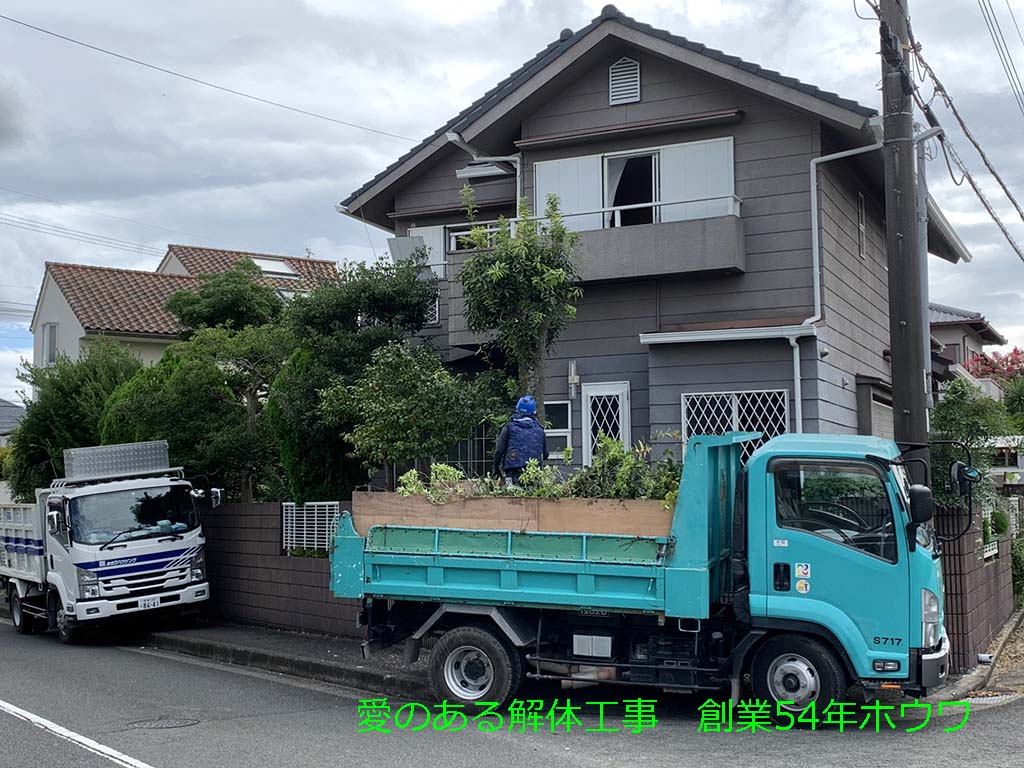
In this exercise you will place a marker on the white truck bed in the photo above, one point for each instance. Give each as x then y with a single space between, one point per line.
21 542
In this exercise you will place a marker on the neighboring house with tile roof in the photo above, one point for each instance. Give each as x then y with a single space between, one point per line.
10 417
78 303
733 275
961 335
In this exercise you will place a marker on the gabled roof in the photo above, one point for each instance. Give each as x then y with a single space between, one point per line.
204 261
714 61
10 416
941 314
125 301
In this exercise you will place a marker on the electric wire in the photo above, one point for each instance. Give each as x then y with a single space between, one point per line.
108 215
206 83
1003 52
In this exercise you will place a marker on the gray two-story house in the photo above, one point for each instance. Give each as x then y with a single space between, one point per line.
733 272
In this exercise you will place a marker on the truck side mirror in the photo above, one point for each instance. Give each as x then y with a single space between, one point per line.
216 497
922 506
962 477
56 518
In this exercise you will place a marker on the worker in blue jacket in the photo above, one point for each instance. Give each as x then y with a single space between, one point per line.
522 439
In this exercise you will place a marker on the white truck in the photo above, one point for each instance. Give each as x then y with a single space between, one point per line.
120 534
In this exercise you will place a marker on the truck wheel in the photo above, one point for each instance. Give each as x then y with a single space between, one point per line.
67 629
473 663
24 623
800 670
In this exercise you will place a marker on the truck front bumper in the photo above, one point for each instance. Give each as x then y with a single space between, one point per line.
91 610
928 669
935 665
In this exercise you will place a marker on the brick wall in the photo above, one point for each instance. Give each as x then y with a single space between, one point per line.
252 581
979 592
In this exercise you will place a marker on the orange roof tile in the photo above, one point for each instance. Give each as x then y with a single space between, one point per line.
203 261
120 300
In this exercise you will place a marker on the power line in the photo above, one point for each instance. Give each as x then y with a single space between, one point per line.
1013 16
207 83
940 90
995 31
28 228
107 215
61 229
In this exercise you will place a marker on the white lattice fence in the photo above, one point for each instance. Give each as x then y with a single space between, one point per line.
715 413
309 526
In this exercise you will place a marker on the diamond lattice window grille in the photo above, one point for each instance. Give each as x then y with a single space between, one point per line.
715 413
605 417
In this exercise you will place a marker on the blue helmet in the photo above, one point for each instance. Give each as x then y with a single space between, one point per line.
527 405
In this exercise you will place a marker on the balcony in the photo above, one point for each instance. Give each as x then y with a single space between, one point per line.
691 237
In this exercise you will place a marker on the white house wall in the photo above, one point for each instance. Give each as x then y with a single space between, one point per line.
54 308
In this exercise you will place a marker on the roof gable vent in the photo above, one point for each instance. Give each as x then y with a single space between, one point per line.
624 81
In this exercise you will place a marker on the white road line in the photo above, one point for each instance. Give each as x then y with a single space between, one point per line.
117 758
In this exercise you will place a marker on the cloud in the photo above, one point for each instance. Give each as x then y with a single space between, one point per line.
117 140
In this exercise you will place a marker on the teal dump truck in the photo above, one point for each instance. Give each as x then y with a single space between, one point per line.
809 568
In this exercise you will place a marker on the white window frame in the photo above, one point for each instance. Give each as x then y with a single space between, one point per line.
616 214
620 388
49 345
862 226
658 203
567 432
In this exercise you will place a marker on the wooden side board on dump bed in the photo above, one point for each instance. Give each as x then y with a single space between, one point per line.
611 516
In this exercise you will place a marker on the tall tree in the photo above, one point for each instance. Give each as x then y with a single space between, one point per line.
406 406
249 359
233 299
522 285
64 411
337 328
184 400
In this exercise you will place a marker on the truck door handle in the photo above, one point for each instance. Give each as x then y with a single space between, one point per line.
781 577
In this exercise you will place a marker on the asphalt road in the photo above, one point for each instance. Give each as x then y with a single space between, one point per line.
229 717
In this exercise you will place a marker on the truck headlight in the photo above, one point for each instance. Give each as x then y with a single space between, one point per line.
88 584
929 619
198 568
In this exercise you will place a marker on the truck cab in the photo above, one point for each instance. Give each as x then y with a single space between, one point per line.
120 535
839 546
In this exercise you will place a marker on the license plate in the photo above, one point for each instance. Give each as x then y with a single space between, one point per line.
146 603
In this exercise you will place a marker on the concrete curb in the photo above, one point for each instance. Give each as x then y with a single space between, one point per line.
978 678
404 686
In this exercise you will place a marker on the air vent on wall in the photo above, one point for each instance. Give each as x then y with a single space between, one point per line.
624 81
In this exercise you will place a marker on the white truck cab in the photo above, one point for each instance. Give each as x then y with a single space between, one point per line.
120 534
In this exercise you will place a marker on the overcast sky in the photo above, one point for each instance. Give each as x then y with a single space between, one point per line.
110 140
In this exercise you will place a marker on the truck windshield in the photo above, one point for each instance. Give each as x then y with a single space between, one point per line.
135 514
925 533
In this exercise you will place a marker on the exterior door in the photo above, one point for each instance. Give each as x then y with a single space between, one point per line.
605 412
835 555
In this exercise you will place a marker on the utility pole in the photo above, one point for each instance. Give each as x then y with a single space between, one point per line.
906 303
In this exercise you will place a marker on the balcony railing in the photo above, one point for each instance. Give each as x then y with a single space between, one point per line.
610 217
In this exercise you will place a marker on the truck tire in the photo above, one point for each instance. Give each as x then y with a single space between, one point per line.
473 663
23 623
798 669
67 628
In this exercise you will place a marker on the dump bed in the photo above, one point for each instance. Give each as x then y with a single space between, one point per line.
682 574
21 542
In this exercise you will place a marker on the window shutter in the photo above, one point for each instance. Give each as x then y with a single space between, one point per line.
624 81
433 239
697 171
577 182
